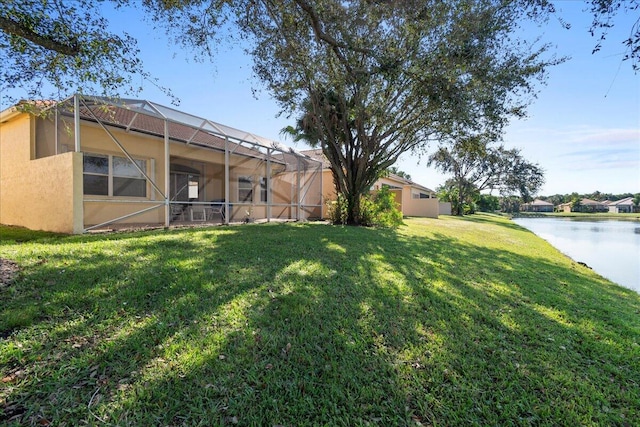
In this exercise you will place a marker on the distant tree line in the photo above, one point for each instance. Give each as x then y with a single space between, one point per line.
478 202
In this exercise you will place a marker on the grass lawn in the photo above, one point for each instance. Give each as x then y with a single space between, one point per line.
456 321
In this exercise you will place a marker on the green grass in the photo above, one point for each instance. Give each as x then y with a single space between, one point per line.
457 321
20 234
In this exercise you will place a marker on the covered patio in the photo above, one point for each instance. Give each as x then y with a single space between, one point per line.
144 163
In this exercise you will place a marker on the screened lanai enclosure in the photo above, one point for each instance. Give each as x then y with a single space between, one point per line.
144 163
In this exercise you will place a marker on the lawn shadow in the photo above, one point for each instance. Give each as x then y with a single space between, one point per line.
313 324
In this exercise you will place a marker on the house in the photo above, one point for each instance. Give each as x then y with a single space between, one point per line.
565 207
621 206
90 162
537 206
412 198
585 205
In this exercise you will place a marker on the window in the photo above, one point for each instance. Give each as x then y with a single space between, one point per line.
193 187
420 195
96 175
127 179
113 176
245 189
263 190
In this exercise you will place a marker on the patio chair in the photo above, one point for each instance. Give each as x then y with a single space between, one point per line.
214 211
177 212
217 208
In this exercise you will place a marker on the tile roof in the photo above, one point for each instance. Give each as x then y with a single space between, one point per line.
538 202
625 201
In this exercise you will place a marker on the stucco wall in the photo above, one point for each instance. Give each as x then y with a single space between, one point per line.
408 205
16 142
445 208
420 207
328 191
41 194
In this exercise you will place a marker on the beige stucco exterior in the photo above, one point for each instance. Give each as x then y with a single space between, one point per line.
405 193
41 194
410 197
42 177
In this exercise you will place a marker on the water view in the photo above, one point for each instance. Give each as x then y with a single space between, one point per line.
610 247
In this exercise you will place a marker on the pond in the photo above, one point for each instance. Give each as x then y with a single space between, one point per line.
610 247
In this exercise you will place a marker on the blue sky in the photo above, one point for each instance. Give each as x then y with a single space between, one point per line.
583 129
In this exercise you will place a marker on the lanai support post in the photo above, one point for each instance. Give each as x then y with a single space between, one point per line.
227 212
268 185
55 127
76 121
167 177
298 195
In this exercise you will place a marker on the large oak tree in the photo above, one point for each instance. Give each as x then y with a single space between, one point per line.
374 80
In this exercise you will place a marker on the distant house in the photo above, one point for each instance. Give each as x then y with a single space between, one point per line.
414 199
537 206
586 206
589 205
564 207
621 206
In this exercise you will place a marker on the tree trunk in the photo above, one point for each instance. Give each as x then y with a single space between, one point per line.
353 209
352 184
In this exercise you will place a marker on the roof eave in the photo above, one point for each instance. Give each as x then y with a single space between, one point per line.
9 114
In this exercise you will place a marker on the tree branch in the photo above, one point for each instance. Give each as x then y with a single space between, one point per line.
14 28
335 45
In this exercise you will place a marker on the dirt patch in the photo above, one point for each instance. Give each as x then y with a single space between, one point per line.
8 270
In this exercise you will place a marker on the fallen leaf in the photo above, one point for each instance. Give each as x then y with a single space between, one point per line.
9 378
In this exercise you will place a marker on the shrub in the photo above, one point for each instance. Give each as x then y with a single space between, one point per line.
337 210
368 212
381 210
386 209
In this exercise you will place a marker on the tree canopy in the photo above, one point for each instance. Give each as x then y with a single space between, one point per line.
55 47
65 45
476 165
604 13
374 80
